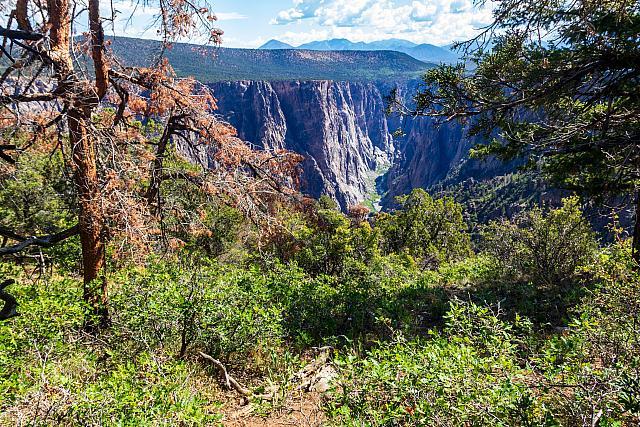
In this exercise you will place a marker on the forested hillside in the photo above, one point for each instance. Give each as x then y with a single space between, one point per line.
214 64
156 269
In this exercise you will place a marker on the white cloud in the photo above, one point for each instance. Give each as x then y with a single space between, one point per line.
421 12
302 9
421 21
344 13
230 16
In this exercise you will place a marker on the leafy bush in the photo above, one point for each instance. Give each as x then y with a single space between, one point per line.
432 230
52 373
365 301
36 198
33 197
468 375
224 311
204 225
544 248
596 363
142 392
323 240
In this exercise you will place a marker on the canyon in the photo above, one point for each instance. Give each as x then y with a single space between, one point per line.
354 152
330 107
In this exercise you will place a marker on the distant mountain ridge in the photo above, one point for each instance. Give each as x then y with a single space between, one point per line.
276 44
423 52
209 64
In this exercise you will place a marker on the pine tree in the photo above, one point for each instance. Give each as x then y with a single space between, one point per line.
555 82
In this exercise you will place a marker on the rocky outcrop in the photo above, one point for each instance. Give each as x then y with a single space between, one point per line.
339 127
426 155
344 134
348 141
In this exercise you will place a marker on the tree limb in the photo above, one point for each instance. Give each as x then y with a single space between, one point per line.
19 34
4 156
229 380
10 303
100 65
36 97
43 241
5 232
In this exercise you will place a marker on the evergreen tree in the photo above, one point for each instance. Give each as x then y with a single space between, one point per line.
555 82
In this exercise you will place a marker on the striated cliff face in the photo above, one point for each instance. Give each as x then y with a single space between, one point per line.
426 155
342 130
339 127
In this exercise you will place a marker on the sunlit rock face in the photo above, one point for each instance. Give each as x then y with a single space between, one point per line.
345 135
339 127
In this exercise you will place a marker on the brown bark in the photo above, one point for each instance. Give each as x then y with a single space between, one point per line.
60 37
91 219
97 49
81 98
22 17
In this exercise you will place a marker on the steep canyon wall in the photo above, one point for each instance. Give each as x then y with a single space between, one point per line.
342 130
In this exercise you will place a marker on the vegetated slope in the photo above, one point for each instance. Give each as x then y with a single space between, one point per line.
209 64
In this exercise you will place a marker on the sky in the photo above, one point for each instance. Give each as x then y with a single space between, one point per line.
251 23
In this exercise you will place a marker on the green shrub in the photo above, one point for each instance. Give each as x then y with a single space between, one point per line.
539 260
431 230
596 362
143 392
36 198
325 241
469 375
545 248
224 311
53 373
207 226
362 302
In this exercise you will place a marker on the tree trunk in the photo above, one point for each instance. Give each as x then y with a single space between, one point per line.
153 192
636 233
82 98
22 15
97 49
91 218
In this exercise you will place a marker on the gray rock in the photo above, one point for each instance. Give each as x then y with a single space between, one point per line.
343 132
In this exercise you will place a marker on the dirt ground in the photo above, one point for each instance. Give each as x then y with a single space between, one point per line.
303 410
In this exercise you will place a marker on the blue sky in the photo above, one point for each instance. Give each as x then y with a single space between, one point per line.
250 23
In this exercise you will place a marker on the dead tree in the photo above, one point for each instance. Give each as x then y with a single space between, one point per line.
82 78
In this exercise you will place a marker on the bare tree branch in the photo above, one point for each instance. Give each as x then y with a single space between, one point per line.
43 241
19 35
230 382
